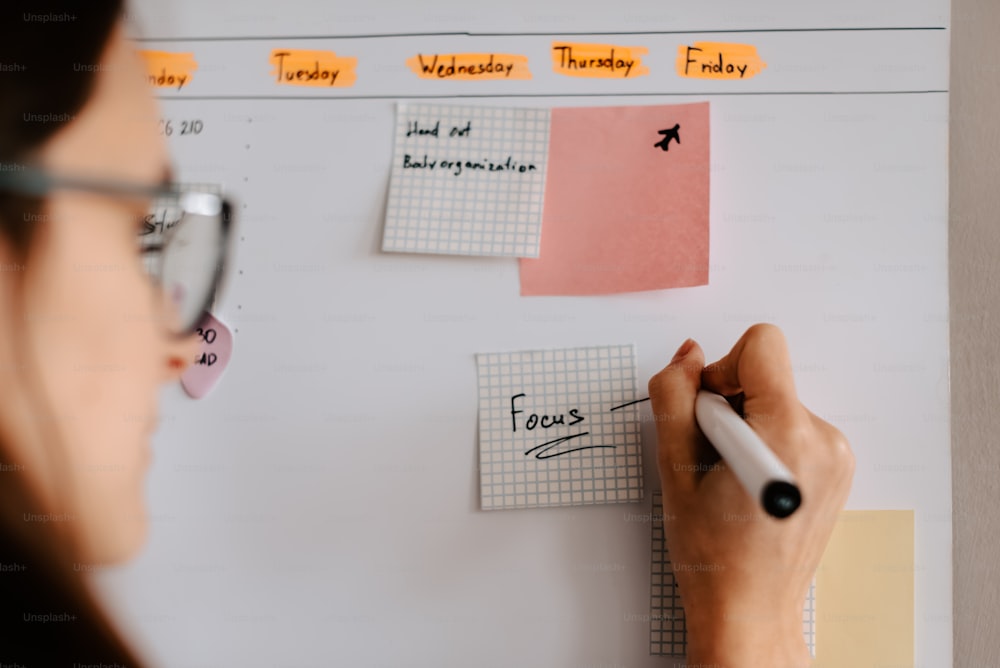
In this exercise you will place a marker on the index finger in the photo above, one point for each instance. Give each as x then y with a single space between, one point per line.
672 392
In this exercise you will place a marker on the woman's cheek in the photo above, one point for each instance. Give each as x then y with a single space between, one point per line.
111 383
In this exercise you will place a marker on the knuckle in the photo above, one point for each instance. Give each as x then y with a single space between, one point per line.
688 368
654 384
764 331
840 450
838 441
847 461
668 379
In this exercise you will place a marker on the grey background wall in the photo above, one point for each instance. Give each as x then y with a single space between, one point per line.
975 328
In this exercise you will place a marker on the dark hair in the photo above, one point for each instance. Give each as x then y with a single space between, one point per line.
48 615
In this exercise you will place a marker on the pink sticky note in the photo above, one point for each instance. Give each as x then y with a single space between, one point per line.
626 201
213 357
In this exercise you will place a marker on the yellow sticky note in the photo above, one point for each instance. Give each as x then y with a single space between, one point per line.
864 592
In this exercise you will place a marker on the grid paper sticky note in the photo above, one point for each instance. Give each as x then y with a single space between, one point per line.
667 626
559 427
467 180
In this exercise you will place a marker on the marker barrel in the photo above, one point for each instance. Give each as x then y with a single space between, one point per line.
753 463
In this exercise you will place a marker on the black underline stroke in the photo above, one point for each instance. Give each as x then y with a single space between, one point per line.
548 445
554 442
631 403
566 452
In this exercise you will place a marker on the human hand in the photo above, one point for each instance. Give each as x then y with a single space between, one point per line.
743 575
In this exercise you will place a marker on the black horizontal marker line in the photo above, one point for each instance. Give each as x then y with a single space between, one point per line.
631 403
722 31
549 444
462 33
440 96
566 452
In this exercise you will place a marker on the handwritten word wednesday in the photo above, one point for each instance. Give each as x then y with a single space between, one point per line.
469 66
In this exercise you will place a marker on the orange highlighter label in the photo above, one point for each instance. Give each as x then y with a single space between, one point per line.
306 67
166 69
604 61
469 66
718 60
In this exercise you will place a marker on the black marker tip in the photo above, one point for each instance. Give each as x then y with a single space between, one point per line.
780 499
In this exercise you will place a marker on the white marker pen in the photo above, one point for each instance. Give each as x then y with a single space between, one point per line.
755 465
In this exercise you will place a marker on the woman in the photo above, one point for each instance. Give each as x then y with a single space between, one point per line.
86 338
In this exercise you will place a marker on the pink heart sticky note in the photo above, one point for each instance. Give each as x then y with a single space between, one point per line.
212 359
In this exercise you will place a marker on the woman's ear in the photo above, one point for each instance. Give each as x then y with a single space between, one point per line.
11 269
13 410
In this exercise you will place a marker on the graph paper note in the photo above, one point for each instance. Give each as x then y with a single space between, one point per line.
559 427
467 180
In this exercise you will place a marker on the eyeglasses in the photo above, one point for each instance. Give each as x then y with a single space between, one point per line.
185 240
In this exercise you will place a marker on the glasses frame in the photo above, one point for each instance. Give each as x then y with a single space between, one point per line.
37 182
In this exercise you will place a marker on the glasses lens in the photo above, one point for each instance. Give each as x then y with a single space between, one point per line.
163 216
190 261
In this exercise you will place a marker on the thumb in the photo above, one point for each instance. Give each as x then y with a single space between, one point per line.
672 393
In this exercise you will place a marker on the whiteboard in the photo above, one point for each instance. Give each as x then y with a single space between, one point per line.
320 507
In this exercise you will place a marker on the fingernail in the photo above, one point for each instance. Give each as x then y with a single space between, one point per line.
683 350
